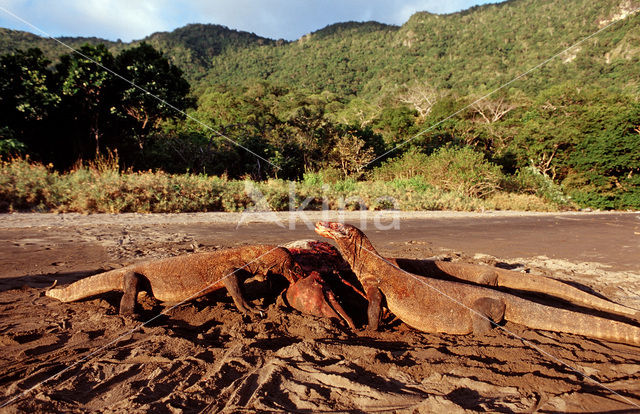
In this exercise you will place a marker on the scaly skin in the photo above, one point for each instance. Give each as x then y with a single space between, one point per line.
180 278
432 305
479 274
492 276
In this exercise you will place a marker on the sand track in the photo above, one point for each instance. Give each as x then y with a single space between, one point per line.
205 357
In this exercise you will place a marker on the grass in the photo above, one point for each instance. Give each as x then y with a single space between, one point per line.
100 187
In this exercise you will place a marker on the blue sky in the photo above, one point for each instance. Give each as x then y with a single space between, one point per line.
135 19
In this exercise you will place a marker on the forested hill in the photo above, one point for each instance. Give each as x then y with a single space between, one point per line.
470 51
340 98
191 47
11 40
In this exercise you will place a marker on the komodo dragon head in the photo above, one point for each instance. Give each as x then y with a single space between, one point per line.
281 261
352 242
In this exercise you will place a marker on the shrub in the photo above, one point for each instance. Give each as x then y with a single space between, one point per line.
408 165
312 179
530 180
520 202
99 187
345 186
27 185
327 175
461 170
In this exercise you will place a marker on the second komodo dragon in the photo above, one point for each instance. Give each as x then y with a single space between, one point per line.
186 277
432 305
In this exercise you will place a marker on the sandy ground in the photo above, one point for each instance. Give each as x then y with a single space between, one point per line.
206 357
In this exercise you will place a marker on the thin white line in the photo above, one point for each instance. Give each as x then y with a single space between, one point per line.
164 102
258 156
164 312
499 88
535 347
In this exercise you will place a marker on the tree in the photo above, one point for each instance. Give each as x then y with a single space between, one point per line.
313 133
608 162
26 97
395 123
8 144
351 155
88 92
492 110
421 96
156 89
551 128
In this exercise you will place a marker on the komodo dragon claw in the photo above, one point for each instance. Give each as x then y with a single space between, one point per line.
54 284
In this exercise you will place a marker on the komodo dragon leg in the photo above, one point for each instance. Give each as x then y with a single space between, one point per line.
236 290
375 307
485 311
335 307
130 285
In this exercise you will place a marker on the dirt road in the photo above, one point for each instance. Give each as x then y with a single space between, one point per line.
205 356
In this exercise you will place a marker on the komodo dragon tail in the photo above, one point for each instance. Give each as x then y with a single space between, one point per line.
553 287
537 316
494 276
93 285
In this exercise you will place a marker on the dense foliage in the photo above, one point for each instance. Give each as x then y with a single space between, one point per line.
77 109
356 100
100 187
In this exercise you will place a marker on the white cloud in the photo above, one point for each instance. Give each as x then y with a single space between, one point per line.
402 10
293 18
103 18
134 19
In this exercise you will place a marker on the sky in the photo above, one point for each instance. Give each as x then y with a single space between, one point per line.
135 19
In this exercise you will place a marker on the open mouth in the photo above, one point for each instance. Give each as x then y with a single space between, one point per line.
323 229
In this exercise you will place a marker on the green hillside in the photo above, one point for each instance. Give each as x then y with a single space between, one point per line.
469 51
194 46
191 47
11 40
339 98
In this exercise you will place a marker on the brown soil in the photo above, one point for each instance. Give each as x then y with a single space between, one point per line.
206 357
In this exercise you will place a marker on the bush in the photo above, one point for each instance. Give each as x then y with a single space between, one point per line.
26 185
531 181
412 163
461 170
99 187
464 170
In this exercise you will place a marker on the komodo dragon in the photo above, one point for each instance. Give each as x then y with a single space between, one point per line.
180 278
328 257
433 305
